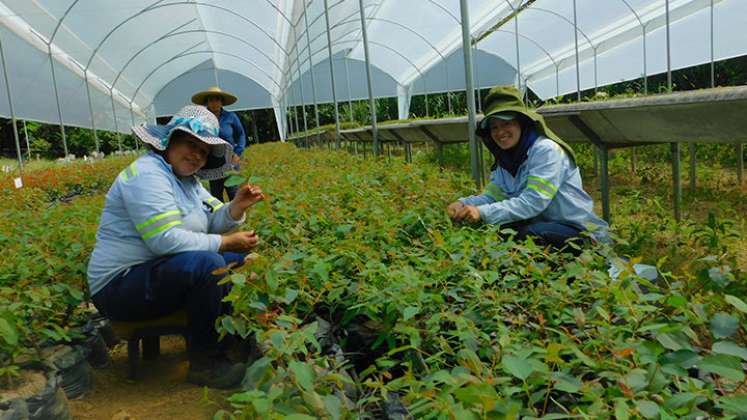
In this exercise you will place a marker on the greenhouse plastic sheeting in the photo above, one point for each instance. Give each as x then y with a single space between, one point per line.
152 54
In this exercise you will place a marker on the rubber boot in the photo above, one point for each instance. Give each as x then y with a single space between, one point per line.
214 370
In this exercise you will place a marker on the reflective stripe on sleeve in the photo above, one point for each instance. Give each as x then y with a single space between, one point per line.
542 186
494 192
159 223
214 204
129 172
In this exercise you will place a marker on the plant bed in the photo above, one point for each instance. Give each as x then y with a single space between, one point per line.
35 394
74 370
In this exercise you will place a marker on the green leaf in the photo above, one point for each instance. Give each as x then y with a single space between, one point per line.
410 312
724 325
730 348
234 180
621 409
737 303
674 341
736 405
303 373
648 409
290 295
227 323
517 367
680 358
333 406
298 416
727 366
678 400
8 332
566 383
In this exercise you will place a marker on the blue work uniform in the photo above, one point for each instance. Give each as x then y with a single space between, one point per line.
157 248
546 189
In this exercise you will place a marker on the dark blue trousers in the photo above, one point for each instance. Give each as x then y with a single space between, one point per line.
170 283
217 186
555 234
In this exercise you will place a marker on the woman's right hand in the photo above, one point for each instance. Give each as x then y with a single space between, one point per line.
242 241
454 208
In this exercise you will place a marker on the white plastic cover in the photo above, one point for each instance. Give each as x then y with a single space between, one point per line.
151 55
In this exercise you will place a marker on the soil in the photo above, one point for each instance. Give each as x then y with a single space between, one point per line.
161 392
30 383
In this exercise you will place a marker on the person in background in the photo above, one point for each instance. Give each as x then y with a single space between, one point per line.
162 239
535 186
231 131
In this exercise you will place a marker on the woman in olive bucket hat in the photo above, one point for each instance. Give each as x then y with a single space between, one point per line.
163 238
231 131
535 186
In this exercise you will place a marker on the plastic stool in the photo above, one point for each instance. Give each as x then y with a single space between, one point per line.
149 332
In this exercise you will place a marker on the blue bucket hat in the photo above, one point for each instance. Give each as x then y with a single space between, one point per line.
200 123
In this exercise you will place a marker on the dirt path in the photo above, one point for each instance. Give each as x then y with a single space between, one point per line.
160 393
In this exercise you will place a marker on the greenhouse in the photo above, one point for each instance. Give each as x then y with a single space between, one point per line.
433 209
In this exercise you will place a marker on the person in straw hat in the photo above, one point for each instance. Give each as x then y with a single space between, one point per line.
163 238
231 131
535 186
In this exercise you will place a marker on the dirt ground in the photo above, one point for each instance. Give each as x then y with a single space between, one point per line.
160 393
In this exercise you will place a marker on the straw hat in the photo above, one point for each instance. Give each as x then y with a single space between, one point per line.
201 98
199 122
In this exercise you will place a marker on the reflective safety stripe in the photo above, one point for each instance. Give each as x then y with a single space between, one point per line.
542 186
494 192
129 172
214 203
159 223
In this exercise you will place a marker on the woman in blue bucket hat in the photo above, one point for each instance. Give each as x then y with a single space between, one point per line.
535 186
162 239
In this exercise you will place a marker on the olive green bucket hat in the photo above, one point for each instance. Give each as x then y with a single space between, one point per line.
504 100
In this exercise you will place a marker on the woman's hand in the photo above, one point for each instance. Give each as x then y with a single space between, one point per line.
454 208
239 241
463 213
246 196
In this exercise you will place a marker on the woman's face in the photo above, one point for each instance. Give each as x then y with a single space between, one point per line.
214 104
505 134
186 154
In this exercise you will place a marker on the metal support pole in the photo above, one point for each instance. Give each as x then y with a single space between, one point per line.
311 70
713 66
90 110
466 47
116 124
518 55
425 87
28 146
448 93
676 181
740 163
371 101
596 80
578 71
347 81
669 52
604 182
12 109
132 120
57 98
645 63
477 81
332 75
693 161
300 86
